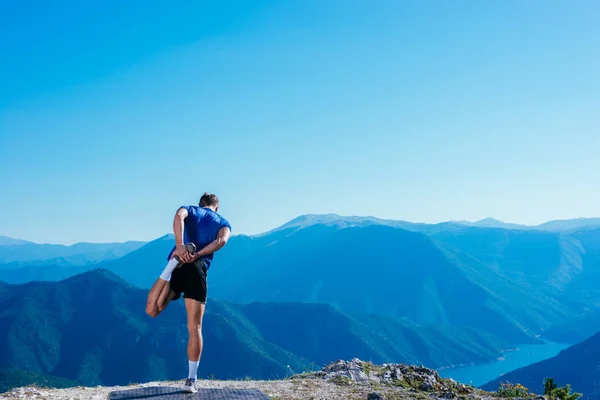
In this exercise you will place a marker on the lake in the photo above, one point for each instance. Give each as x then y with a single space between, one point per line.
478 375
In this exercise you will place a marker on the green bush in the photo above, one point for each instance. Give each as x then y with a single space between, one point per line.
553 392
509 390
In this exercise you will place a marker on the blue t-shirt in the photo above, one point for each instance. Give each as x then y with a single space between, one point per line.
201 227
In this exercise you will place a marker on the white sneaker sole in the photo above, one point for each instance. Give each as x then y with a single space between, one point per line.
189 389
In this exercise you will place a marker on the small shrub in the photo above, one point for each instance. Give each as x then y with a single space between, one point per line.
553 392
369 367
510 390
401 383
341 380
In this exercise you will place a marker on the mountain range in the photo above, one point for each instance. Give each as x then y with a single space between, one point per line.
92 329
514 283
16 252
559 225
438 294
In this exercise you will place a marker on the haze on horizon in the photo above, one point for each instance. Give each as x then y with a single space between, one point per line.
113 115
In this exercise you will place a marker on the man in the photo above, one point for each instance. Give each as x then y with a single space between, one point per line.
209 232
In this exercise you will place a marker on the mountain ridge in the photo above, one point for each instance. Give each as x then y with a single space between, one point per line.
487 260
8 241
85 253
303 220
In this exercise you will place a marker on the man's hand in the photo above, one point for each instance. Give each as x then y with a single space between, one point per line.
184 255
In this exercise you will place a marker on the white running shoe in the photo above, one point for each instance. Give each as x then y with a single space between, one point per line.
190 386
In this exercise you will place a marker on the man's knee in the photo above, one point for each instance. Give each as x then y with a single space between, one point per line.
152 311
162 306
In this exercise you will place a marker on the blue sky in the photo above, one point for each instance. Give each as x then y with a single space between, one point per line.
112 114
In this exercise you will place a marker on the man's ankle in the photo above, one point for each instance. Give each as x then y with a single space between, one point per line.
193 369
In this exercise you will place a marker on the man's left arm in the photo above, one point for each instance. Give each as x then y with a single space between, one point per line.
216 244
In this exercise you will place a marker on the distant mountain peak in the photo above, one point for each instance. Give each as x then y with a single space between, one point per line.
168 236
489 220
341 221
8 241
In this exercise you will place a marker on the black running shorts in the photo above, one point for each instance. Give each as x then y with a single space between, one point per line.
190 279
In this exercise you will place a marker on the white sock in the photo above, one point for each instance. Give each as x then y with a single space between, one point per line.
193 369
166 274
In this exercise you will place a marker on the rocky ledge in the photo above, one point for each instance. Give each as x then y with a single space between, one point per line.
351 380
393 381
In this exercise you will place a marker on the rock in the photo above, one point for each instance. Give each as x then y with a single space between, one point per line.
387 377
353 370
337 366
463 389
375 396
429 383
374 378
358 376
397 373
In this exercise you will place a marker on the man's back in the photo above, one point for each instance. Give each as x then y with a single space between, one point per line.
201 227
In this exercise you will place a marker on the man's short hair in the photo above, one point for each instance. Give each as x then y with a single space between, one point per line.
208 200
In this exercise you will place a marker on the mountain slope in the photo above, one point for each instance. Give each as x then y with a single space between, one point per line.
320 333
578 365
582 293
533 259
8 241
92 328
10 378
49 273
364 270
575 329
569 224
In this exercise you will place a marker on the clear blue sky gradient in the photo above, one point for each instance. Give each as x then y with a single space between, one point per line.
112 114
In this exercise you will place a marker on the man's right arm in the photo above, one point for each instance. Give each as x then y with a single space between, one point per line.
215 245
178 225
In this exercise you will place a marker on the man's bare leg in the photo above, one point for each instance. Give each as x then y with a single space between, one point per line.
159 297
195 314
